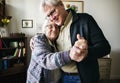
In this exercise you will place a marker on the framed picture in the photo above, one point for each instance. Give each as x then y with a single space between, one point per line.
76 5
27 23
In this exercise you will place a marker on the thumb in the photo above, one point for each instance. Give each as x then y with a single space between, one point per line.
78 36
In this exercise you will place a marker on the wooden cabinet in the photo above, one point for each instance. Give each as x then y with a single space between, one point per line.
104 68
2 10
13 62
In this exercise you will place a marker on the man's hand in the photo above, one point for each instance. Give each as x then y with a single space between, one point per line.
79 51
32 43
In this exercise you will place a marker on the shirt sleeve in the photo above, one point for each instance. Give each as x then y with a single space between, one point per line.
44 56
98 44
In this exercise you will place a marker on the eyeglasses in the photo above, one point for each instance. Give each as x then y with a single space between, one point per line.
52 13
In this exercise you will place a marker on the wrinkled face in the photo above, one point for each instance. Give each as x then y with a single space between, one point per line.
52 31
56 14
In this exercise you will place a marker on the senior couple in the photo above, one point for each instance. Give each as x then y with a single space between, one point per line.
68 49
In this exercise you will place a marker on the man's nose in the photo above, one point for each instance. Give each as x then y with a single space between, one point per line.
52 17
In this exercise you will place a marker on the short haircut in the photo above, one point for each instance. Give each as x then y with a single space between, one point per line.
44 26
43 3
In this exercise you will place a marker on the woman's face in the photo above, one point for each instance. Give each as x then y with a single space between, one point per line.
52 31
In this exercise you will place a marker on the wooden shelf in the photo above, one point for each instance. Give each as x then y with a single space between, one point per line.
13 66
12 70
6 49
18 68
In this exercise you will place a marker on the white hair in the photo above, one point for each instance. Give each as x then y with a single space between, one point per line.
45 25
43 3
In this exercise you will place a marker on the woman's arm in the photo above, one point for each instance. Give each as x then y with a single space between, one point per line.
44 56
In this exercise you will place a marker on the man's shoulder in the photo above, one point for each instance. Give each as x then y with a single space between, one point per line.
83 15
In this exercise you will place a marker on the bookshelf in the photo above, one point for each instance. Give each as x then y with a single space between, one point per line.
2 10
13 58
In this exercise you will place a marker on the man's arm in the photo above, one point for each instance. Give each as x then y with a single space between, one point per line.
98 44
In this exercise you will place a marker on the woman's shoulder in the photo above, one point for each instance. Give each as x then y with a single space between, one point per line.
40 35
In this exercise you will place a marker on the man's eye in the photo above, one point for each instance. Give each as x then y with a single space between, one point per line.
51 13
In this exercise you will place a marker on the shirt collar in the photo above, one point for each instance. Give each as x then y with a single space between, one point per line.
50 43
69 17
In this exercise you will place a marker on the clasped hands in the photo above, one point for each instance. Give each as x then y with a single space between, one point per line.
80 49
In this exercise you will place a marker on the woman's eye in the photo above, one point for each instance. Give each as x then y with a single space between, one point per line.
49 26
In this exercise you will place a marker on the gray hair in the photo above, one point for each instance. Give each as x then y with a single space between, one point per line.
43 3
44 26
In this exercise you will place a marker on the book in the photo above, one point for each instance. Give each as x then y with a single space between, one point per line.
24 51
8 57
0 43
1 64
5 62
16 52
19 54
4 43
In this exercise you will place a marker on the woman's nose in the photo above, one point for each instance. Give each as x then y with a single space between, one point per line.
54 28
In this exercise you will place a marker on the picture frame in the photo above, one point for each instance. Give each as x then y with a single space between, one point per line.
27 23
78 4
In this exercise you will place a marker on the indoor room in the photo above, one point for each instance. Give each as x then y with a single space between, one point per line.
21 20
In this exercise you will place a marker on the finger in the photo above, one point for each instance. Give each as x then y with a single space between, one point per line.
82 44
73 54
78 36
83 47
76 50
78 42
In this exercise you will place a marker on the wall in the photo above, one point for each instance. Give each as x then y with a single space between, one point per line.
25 9
107 15
105 12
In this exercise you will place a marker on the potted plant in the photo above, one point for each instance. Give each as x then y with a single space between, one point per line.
3 30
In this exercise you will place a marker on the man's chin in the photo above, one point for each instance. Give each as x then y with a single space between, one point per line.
58 23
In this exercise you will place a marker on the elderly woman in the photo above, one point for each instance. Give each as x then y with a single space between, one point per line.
45 59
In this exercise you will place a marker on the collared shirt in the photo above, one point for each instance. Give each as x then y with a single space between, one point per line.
64 43
53 45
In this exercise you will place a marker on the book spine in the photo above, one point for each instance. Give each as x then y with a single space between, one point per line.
0 43
16 52
5 62
19 54
1 64
4 44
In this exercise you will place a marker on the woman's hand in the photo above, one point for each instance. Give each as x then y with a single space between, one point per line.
80 49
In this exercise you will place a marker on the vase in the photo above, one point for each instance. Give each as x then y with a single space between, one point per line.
4 32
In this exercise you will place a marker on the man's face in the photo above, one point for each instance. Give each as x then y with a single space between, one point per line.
56 14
